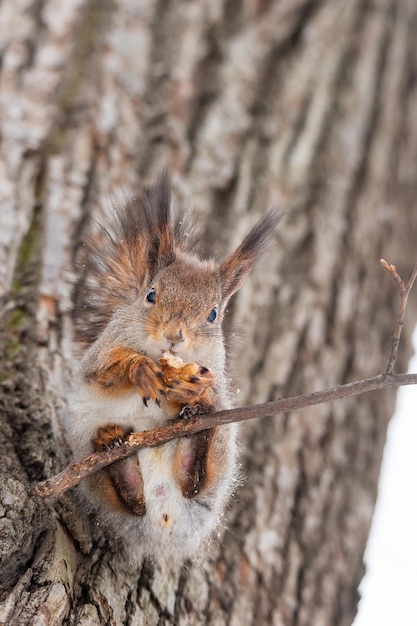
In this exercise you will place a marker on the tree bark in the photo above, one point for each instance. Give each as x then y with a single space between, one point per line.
306 105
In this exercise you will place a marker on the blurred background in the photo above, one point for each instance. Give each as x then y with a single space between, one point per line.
389 587
308 105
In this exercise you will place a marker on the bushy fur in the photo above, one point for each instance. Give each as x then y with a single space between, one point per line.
142 292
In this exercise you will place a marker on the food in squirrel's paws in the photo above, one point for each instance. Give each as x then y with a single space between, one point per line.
169 360
174 368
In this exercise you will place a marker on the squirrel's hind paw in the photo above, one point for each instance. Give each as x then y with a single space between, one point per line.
124 488
108 437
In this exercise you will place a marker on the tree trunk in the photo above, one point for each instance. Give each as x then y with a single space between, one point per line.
302 104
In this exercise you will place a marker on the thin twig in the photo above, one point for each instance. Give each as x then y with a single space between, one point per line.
73 474
404 293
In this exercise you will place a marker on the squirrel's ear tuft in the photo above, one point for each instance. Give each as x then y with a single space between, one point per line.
158 208
234 269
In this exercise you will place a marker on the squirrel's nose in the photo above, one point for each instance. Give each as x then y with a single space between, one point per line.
174 335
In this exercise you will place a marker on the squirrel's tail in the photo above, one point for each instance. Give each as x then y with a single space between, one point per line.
117 260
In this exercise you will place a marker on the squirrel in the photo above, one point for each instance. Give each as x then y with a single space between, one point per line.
144 297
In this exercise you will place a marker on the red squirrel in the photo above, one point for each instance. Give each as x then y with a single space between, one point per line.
144 297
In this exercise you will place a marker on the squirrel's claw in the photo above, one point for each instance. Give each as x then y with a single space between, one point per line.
108 437
189 411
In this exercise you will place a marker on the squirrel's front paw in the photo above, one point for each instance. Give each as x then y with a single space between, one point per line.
187 383
146 375
124 367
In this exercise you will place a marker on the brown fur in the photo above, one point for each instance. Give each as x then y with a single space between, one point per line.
116 261
234 270
140 250
200 474
122 368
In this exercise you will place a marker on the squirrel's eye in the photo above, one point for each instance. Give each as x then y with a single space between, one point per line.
151 295
212 316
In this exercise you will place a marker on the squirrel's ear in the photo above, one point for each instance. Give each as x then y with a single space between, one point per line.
234 269
158 204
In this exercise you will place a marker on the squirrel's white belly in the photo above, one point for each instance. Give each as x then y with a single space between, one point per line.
173 526
91 409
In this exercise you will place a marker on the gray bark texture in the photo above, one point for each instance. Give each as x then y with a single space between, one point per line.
303 104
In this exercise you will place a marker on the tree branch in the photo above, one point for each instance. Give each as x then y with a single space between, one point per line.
74 473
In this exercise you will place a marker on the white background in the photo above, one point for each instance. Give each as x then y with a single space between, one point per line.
389 589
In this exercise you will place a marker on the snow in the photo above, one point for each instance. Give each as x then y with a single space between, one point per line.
388 590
